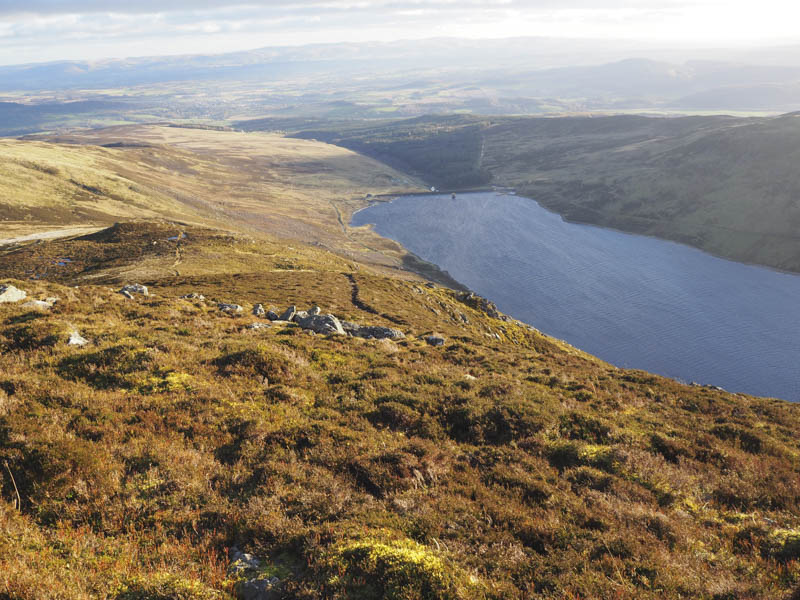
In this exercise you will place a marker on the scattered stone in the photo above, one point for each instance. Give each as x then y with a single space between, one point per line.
75 339
299 315
134 288
256 326
194 296
230 308
288 314
434 340
241 562
469 377
314 310
272 315
253 583
324 324
38 305
8 293
373 332
481 304
258 311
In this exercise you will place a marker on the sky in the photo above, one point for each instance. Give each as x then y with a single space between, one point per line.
47 30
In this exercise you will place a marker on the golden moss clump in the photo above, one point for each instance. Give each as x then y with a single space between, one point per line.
165 586
397 570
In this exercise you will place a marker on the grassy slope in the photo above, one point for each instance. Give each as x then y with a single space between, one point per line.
727 186
497 466
504 465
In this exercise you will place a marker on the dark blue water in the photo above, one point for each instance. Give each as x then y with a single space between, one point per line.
634 301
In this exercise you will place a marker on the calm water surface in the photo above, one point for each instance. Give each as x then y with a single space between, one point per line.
634 301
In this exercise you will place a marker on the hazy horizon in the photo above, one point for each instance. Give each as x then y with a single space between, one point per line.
91 30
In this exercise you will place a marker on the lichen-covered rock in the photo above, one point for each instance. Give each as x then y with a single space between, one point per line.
314 310
233 309
9 293
258 310
194 296
134 288
372 331
324 324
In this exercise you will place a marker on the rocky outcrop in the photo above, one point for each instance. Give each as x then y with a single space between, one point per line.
373 332
288 314
134 288
9 293
481 304
232 309
323 324
252 582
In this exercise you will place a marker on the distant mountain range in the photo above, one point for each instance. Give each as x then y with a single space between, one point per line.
526 75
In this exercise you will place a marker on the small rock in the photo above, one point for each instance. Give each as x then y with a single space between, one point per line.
127 294
299 315
75 339
288 314
230 308
314 310
8 293
194 296
324 324
435 340
372 332
257 326
430 285
38 305
258 589
272 315
469 377
134 288
258 311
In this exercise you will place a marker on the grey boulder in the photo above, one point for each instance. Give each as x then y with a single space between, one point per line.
288 314
435 340
8 293
134 288
229 308
372 331
324 324
194 296
272 315
258 589
258 310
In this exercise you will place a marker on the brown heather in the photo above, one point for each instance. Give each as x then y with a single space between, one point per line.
504 464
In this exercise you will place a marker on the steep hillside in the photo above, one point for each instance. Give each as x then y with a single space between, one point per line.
500 464
256 183
728 186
